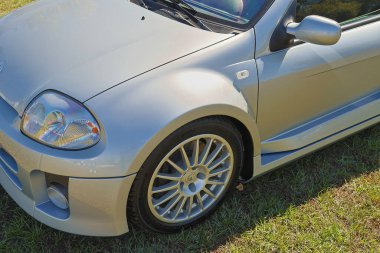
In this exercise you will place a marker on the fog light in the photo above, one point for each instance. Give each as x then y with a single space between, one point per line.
58 196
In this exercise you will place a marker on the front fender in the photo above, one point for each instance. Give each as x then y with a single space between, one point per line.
138 116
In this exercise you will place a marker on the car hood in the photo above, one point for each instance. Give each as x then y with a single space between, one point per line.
84 47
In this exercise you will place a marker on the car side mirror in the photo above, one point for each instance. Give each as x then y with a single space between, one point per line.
316 29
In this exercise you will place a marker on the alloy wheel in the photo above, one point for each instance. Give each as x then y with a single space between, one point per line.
190 178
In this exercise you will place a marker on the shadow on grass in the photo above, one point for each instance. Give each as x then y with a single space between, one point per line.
266 197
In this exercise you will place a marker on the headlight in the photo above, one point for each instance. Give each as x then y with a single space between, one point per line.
61 122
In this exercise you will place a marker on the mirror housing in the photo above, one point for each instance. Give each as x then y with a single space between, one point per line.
316 29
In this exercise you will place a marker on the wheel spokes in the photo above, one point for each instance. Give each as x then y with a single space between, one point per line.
168 196
180 207
176 166
169 177
195 156
214 154
165 188
173 202
215 182
199 200
208 192
206 151
190 178
219 172
185 157
190 206
219 161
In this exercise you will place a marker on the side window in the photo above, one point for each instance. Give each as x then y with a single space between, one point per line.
343 11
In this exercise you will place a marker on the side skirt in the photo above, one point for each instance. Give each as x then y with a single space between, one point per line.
267 162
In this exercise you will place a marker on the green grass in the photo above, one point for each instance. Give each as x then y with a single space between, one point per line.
326 202
8 5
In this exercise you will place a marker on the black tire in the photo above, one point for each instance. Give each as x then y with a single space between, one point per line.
139 213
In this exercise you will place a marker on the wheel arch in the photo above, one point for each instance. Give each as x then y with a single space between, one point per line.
247 170
241 119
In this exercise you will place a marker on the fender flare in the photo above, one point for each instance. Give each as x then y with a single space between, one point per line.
202 112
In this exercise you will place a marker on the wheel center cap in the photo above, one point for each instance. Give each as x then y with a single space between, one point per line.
190 176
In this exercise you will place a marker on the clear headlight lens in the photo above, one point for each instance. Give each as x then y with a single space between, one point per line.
61 122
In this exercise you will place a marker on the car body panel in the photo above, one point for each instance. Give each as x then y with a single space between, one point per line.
327 125
161 101
82 48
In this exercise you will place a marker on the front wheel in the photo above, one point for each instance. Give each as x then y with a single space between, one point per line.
187 176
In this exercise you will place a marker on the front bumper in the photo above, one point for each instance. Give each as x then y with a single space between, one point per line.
97 205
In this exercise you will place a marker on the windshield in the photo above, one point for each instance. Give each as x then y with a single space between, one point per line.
236 11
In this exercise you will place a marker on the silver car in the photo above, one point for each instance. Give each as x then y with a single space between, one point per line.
148 112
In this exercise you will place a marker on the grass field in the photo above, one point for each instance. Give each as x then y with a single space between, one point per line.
326 202
8 5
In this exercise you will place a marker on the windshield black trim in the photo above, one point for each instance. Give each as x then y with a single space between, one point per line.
236 26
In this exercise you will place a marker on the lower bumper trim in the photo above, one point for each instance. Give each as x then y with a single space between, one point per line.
98 207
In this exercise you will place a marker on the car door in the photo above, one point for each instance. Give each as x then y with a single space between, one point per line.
308 92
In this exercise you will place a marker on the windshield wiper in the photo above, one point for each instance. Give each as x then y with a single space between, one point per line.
143 4
176 4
